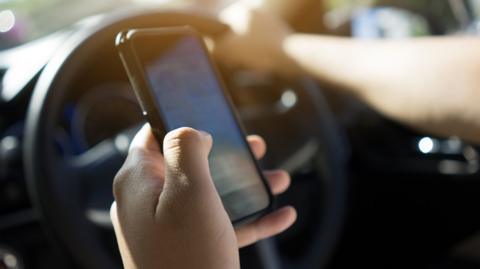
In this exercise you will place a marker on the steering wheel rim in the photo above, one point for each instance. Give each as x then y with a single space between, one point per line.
328 162
55 184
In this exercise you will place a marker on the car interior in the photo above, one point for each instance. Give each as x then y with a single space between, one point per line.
369 192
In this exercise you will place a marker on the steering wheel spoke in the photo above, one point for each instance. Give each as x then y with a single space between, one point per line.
98 163
93 172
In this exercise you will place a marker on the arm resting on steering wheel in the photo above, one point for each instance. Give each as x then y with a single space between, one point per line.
431 84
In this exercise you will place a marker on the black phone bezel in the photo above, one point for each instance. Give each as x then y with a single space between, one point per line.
136 74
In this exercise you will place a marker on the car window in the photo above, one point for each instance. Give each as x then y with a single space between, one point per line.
25 20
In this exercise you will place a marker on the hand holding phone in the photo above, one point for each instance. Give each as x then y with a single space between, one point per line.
177 85
171 216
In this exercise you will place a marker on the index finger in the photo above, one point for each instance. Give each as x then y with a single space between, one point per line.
145 139
267 226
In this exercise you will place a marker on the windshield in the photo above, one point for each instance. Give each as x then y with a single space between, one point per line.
25 20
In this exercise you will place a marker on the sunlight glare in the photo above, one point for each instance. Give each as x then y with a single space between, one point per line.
7 20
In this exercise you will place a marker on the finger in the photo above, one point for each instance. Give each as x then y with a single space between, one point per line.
116 224
267 226
140 180
113 214
121 240
186 159
258 145
145 139
278 180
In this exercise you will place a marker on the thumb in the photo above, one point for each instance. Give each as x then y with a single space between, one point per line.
186 160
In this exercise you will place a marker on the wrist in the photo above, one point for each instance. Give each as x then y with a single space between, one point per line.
284 62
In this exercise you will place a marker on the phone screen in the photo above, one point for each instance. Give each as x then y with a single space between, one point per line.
187 93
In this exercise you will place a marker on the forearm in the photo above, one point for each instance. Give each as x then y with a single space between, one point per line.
428 83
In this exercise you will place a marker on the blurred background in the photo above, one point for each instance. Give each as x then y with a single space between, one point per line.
404 199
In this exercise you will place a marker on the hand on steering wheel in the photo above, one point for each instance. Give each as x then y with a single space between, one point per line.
168 214
256 40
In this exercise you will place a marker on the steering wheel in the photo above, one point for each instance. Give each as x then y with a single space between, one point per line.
73 194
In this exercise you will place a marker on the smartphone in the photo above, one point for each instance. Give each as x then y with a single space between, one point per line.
178 85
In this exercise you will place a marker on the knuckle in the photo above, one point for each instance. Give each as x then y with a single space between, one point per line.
119 183
185 134
182 137
125 174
